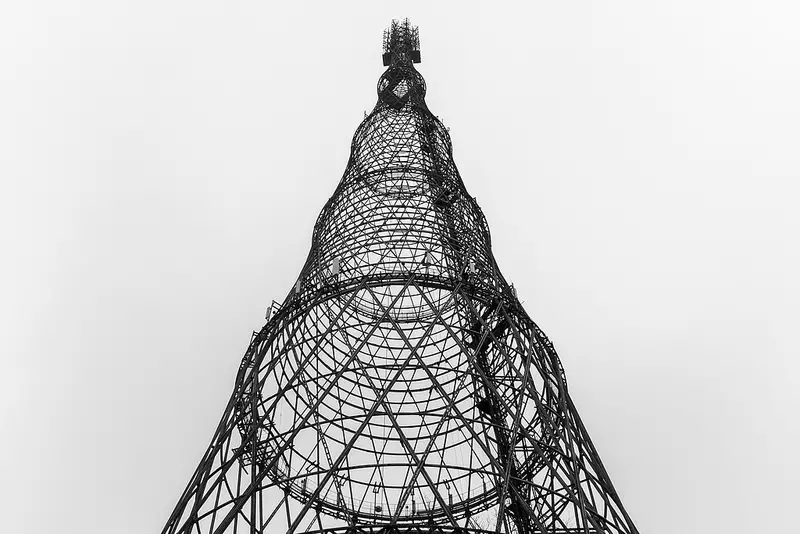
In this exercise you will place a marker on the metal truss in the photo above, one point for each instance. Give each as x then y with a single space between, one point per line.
400 386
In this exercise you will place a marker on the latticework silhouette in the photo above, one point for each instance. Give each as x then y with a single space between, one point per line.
400 386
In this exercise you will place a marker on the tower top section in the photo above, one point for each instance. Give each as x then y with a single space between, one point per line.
401 43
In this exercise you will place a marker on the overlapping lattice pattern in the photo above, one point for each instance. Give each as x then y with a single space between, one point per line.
400 386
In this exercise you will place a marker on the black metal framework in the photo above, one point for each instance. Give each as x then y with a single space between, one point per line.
400 386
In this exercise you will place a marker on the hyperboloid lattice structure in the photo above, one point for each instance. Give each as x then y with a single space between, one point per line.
400 386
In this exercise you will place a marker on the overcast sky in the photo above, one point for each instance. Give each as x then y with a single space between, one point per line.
163 163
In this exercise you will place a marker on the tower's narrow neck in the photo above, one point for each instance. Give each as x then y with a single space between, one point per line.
401 85
401 208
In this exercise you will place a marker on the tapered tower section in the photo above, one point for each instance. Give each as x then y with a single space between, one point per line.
400 386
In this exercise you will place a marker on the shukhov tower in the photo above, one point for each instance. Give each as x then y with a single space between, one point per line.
400 386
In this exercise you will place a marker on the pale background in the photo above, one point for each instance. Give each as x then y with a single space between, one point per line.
163 163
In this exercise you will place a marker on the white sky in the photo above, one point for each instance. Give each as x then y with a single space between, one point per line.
163 164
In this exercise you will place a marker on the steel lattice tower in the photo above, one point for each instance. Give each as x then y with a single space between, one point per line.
400 386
